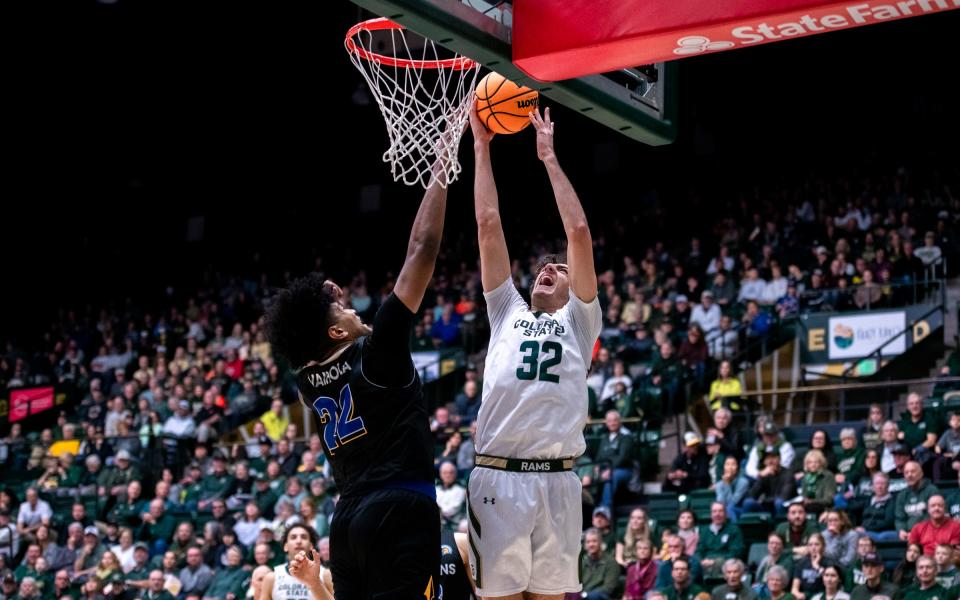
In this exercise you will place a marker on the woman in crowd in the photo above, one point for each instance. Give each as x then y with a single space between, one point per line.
638 528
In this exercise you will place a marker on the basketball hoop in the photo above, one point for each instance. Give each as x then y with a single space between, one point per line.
423 98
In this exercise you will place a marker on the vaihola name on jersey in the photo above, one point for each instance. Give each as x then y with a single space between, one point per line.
334 373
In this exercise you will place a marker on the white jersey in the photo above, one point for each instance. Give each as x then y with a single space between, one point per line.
534 402
286 586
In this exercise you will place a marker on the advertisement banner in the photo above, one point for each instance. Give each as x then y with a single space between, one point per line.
29 401
856 336
833 343
559 40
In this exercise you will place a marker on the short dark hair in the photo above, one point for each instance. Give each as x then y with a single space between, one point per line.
545 260
298 318
314 536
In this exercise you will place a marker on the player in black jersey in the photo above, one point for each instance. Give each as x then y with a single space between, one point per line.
361 384
456 582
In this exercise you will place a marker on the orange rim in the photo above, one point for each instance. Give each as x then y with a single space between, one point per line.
458 64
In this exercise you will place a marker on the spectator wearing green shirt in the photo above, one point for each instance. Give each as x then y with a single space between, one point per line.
28 566
817 485
797 530
309 469
139 575
155 589
926 587
947 574
602 521
918 429
777 581
777 555
157 526
733 589
126 512
264 496
614 457
232 579
849 460
259 464
683 587
600 572
62 586
216 485
113 481
192 486
911 505
719 540
183 539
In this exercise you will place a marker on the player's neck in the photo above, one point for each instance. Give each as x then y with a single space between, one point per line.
545 308
336 351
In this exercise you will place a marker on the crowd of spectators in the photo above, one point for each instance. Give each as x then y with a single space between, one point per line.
145 469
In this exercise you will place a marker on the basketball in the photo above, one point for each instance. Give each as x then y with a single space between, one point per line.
502 105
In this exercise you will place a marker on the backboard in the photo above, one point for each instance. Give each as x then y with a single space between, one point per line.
640 102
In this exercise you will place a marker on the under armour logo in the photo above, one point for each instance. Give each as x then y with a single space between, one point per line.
695 44
489 500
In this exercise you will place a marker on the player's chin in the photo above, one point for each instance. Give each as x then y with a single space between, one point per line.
544 291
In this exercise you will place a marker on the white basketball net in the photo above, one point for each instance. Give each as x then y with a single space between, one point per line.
424 100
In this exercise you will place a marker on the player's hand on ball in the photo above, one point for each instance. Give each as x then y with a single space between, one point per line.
304 568
544 127
481 135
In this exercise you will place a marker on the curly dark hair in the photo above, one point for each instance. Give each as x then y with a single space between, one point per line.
314 536
297 320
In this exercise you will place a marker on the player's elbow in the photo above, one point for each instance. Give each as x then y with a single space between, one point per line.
578 230
427 246
488 220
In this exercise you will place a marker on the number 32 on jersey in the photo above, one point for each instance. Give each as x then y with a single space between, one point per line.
340 426
537 360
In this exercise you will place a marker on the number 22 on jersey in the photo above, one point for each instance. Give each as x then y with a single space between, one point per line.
340 426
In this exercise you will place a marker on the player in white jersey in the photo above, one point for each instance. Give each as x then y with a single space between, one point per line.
288 581
524 500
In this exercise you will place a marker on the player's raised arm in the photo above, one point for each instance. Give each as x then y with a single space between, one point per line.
494 260
583 276
424 244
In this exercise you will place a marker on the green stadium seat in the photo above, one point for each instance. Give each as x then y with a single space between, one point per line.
663 507
755 527
756 553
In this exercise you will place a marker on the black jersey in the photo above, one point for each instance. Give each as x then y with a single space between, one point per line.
369 408
454 582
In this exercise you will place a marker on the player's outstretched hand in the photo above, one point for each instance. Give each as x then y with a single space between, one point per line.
481 135
304 568
544 127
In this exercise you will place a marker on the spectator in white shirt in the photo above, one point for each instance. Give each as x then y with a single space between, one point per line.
776 288
929 253
451 496
752 287
34 512
181 423
706 314
723 260
248 528
619 376
724 341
